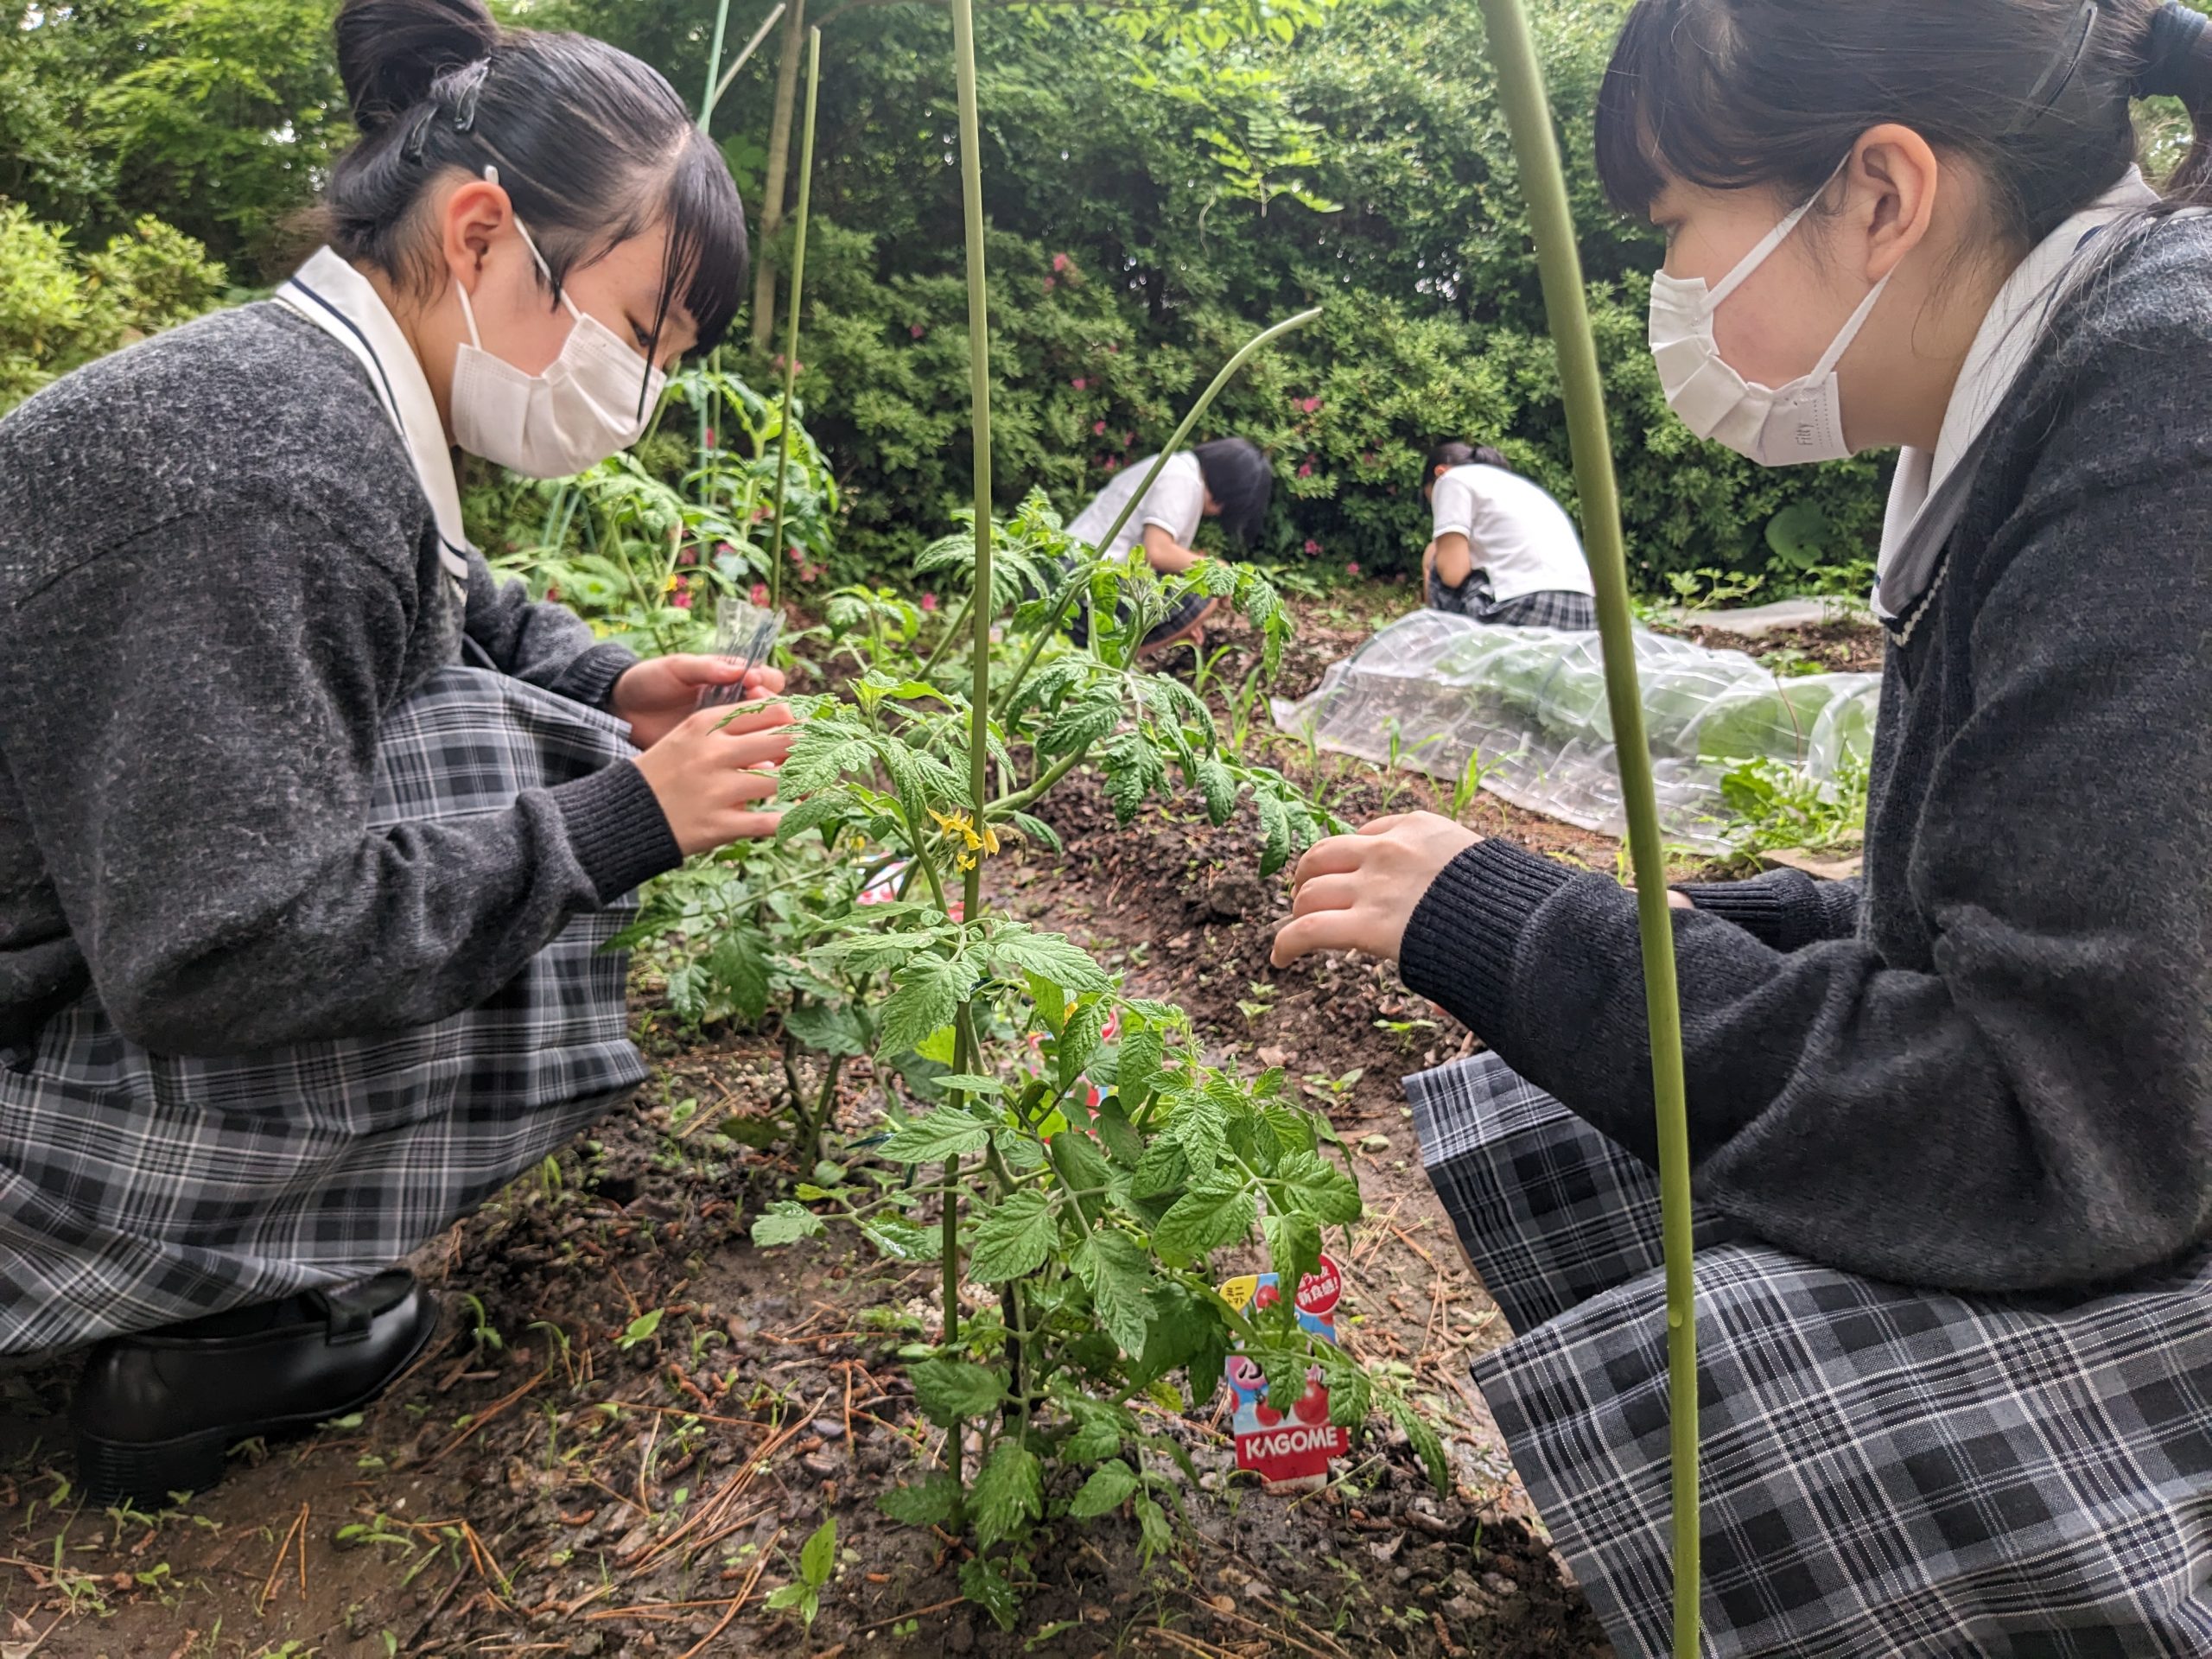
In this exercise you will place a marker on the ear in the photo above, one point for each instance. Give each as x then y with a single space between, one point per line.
471 222
1890 184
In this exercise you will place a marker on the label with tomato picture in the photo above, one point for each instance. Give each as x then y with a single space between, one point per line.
1288 1446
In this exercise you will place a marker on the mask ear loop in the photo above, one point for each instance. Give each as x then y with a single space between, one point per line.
1766 245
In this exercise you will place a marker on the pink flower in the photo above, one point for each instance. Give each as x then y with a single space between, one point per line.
683 599
1051 283
1352 567
1312 547
1310 404
915 329
760 593
711 444
928 601
723 549
1113 463
1060 262
1127 438
1098 429
688 555
1113 348
1079 383
1305 469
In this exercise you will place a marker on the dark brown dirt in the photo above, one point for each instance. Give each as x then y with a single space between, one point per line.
536 1486
1843 646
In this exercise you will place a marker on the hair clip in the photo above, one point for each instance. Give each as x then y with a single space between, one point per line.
2062 69
471 87
418 135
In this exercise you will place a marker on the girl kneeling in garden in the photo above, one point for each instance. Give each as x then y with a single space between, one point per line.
312 834
1501 551
1951 1126
1230 479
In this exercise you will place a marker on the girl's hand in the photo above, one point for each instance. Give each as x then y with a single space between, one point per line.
658 696
1358 893
712 771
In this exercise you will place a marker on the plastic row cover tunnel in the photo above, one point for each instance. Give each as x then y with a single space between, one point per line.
1432 691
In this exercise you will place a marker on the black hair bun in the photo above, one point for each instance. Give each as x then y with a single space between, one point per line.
390 52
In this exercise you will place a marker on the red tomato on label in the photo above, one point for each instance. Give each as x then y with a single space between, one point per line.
1267 1296
1268 1415
1313 1407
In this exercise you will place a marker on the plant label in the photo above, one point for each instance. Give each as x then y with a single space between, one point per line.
1288 1446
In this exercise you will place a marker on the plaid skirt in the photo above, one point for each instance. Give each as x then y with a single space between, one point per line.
1570 613
1886 1470
138 1189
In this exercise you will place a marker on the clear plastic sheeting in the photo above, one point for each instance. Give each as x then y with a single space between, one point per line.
1432 691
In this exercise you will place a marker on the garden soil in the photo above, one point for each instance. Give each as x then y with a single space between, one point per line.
564 1473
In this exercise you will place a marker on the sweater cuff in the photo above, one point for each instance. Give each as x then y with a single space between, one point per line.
617 829
1780 908
1460 947
590 679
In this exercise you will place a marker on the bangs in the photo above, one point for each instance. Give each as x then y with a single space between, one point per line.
1670 69
707 255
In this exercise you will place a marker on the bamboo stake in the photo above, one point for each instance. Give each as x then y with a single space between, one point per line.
1521 88
776 554
739 62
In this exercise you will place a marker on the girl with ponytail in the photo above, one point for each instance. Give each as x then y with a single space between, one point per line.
1951 1123
312 833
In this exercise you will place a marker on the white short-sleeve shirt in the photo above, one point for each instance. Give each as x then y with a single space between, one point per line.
1176 502
1522 538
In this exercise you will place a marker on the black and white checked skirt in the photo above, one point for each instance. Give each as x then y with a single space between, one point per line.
1887 1471
1569 613
137 1189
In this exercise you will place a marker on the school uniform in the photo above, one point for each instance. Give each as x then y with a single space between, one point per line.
1530 569
1951 1125
1175 503
313 834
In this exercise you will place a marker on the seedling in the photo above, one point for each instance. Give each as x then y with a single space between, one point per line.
817 1560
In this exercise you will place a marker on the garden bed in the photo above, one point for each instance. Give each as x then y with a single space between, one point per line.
550 1489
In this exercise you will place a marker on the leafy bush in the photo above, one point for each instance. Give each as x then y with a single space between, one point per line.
59 309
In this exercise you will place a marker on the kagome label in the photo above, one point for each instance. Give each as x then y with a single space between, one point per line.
1293 1443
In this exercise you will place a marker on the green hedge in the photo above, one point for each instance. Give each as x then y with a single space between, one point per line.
1125 265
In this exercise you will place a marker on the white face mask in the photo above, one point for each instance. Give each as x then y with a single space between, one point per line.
1775 426
583 408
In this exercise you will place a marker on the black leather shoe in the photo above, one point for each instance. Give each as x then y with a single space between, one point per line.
155 1411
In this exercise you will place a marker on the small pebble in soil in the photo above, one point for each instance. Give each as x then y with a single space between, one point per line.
829 1429
961 1638
821 1464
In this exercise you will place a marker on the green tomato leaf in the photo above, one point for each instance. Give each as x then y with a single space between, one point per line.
1017 950
1008 1493
740 963
1114 1270
1293 1246
927 994
1316 1188
1110 1485
932 1500
940 1135
1202 1220
786 1222
949 1390
989 1588
1014 1238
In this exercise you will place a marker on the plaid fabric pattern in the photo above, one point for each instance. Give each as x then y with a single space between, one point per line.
1552 608
1886 1470
138 1189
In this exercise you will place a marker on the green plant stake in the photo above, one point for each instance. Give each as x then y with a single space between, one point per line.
1521 86
776 553
706 115
979 372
